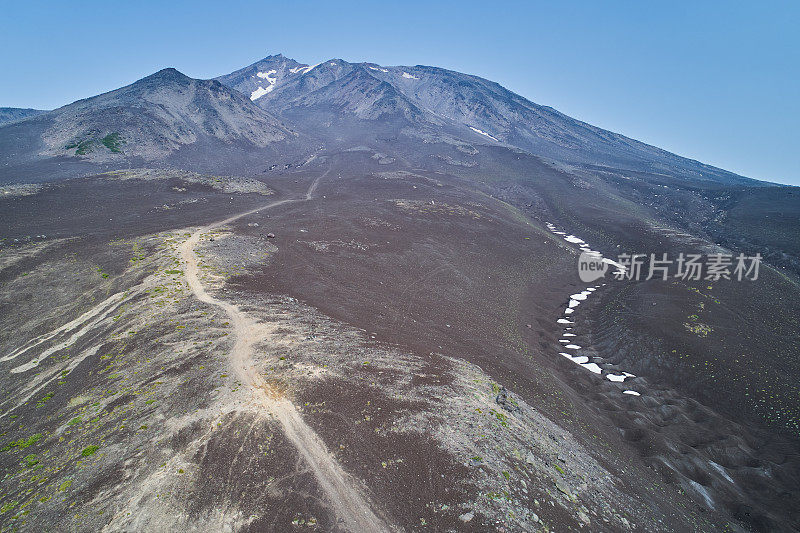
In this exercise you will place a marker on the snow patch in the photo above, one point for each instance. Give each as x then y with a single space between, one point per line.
269 76
631 392
261 91
408 76
579 359
481 132
381 69
592 367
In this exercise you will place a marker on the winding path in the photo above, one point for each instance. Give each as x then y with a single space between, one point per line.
346 499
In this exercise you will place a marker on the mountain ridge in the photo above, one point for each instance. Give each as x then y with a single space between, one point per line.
334 103
152 118
486 106
9 115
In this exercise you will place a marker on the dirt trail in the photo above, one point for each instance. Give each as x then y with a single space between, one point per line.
347 501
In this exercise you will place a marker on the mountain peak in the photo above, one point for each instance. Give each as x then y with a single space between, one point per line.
336 62
169 74
158 115
277 58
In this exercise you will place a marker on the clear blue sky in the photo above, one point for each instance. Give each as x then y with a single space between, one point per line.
715 81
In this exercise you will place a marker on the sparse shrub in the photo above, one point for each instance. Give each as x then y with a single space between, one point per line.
89 450
84 147
23 443
113 142
8 506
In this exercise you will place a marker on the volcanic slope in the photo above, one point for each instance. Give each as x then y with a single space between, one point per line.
123 404
420 310
497 298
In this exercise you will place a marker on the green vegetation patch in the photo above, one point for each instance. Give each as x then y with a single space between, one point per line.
84 147
44 399
113 142
22 443
501 417
89 450
8 506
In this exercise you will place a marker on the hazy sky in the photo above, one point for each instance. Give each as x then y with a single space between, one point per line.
714 81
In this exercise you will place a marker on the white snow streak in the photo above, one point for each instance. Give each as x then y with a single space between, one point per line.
481 132
261 91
